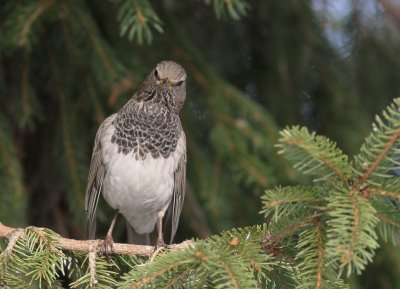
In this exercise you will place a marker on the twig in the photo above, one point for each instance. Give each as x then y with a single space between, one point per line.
392 140
92 267
86 246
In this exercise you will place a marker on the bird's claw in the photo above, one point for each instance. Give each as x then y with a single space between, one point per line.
160 244
106 246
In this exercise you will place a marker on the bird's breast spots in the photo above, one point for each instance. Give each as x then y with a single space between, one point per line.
146 131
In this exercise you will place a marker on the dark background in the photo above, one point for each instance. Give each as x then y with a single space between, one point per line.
64 67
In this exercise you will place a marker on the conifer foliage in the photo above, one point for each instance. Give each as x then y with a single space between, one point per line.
314 236
332 227
67 64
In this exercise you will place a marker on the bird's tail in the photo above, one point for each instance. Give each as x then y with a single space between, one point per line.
135 238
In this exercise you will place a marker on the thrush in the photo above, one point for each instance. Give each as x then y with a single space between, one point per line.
139 159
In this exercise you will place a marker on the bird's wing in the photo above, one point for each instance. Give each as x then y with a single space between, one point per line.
97 172
178 195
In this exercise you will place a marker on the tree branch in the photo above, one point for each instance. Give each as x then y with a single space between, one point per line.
87 246
392 140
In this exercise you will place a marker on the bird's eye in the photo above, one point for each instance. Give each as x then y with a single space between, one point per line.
156 74
179 83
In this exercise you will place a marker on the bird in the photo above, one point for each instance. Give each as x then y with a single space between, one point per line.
139 159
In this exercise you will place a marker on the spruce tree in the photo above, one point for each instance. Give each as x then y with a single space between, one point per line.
254 66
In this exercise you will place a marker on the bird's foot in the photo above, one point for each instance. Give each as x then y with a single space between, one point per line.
106 246
160 243
160 246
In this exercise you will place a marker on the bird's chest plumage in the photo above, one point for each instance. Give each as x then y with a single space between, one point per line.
140 167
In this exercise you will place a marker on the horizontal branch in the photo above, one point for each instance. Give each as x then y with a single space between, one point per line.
377 192
87 246
379 158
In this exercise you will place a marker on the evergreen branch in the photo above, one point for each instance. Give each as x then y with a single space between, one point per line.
351 236
313 154
388 213
389 220
8 258
99 273
383 193
137 19
284 228
356 222
320 259
263 119
43 5
255 264
283 195
162 268
378 156
174 280
233 8
96 41
242 126
231 275
245 163
45 258
316 270
86 246
231 143
155 275
393 139
12 240
241 242
33 253
229 260
311 248
284 201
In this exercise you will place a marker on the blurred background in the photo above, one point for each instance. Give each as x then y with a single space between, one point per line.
254 67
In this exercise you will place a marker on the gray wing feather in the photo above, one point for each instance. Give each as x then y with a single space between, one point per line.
97 172
178 196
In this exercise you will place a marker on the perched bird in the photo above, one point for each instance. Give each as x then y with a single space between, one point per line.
139 159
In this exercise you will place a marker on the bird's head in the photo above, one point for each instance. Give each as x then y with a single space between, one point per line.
170 73
166 84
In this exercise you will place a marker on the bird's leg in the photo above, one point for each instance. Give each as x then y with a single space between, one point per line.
109 233
108 240
160 239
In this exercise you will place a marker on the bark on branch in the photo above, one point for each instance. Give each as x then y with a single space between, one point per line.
87 246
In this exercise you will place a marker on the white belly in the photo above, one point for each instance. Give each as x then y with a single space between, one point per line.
139 189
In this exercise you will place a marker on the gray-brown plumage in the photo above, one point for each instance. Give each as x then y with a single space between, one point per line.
139 157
